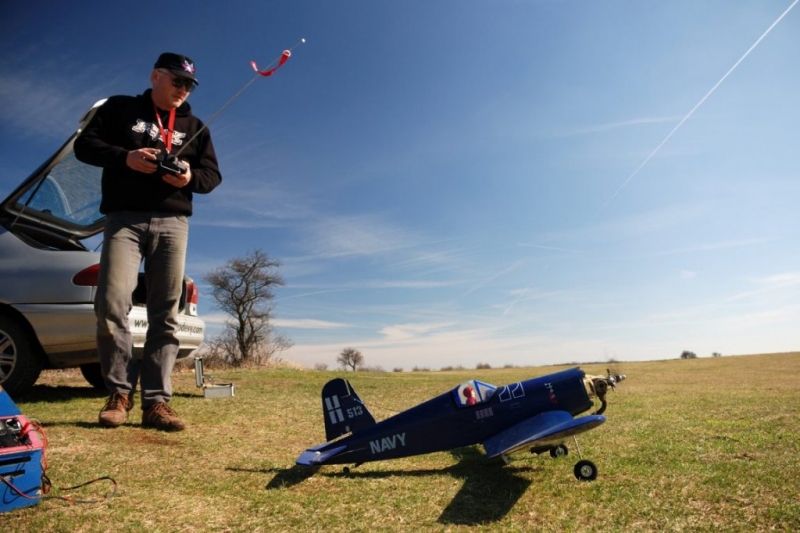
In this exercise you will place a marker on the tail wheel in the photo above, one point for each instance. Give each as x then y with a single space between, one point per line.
559 451
20 358
586 470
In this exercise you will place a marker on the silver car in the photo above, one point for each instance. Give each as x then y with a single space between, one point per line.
50 229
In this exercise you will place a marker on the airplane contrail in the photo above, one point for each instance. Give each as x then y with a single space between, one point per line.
709 93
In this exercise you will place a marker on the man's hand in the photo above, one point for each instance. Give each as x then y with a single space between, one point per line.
179 180
143 160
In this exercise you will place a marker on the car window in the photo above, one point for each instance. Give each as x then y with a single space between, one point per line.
70 191
59 204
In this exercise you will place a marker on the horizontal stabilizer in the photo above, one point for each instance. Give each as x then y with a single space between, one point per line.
343 410
548 428
314 456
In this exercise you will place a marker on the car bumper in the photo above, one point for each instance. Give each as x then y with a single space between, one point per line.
67 331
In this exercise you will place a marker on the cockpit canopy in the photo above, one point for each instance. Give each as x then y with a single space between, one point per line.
473 392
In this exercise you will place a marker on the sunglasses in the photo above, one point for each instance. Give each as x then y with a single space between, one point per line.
177 81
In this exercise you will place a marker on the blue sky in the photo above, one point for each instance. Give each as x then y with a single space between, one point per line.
460 182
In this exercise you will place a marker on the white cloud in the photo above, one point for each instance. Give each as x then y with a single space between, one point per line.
719 245
781 280
404 332
50 105
627 227
357 236
786 314
306 323
254 203
466 347
600 128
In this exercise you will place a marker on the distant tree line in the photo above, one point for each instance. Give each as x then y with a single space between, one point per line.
352 359
686 354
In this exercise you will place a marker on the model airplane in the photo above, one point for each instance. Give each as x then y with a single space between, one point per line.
538 414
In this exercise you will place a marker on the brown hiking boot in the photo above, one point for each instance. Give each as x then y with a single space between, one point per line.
161 416
115 411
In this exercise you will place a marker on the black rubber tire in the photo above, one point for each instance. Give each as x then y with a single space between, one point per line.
93 375
20 358
559 451
586 470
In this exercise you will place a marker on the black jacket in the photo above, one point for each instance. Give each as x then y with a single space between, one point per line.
126 123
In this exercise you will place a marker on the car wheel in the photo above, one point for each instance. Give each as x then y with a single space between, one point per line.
20 360
92 373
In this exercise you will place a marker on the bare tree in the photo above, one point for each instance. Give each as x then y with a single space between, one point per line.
350 357
243 290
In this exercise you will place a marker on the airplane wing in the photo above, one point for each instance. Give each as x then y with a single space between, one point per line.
543 429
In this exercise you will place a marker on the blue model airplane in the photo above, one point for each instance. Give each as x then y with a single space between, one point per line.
537 414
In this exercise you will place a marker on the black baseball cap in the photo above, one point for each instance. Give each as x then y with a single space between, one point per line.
178 64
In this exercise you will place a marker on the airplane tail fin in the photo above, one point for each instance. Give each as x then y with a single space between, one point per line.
343 410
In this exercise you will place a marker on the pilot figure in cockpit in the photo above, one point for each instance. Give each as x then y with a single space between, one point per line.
469 394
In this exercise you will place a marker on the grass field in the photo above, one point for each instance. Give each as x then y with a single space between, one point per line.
690 445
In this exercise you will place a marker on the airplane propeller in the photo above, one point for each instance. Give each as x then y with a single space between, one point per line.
601 386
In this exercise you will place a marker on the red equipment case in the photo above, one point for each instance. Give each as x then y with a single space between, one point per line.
21 451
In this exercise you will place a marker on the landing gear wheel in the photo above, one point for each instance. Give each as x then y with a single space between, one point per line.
346 470
559 451
586 470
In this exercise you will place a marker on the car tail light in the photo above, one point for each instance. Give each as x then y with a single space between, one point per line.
87 277
192 296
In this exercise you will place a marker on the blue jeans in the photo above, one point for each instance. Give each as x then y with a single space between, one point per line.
160 239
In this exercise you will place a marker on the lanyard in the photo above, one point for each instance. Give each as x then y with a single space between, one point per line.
166 136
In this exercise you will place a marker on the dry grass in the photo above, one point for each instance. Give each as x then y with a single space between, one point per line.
690 445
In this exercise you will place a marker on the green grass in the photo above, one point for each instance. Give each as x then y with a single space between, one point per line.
690 445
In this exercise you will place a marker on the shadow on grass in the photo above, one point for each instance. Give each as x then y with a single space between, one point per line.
292 476
490 489
58 393
285 478
66 393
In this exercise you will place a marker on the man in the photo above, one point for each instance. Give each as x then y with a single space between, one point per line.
147 208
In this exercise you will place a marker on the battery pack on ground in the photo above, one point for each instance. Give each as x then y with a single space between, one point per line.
21 452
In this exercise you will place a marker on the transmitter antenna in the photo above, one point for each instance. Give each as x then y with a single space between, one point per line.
169 162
